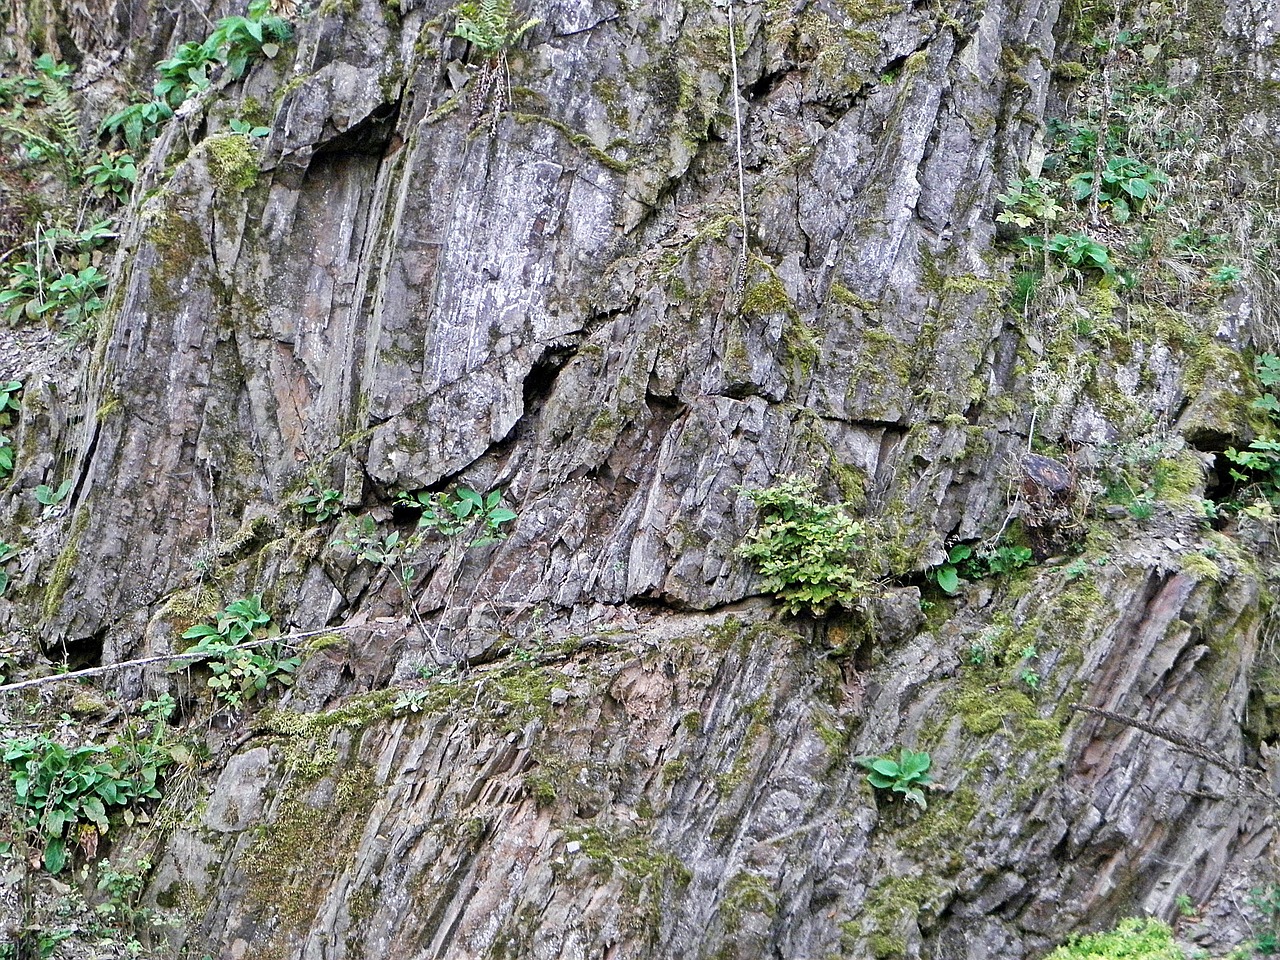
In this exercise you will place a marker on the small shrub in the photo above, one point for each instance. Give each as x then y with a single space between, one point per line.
906 775
804 549
1134 939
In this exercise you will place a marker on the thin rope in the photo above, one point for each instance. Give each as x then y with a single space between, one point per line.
283 640
742 181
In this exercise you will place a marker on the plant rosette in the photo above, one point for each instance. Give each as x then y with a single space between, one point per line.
906 775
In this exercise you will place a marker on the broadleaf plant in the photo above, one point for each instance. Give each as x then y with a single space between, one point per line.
241 663
906 775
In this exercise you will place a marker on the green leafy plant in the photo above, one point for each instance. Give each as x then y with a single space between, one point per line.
968 562
1184 905
184 74
236 41
1075 250
58 787
1259 463
1030 202
74 297
322 505
32 943
10 402
247 129
804 550
464 509
50 131
906 775
10 407
1144 938
1125 185
58 282
233 646
138 123
113 174
1266 900
1027 674
369 544
7 552
1141 508
492 26
52 496
1225 276
122 885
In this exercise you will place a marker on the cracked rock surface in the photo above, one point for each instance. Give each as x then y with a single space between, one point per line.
596 738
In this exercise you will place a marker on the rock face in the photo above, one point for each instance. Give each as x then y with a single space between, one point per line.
620 749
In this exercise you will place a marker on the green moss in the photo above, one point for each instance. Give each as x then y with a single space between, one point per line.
894 905
604 428
868 11
1078 605
982 712
844 297
325 641
252 534
747 893
833 738
1178 478
295 858
305 736
1069 70
185 608
767 298
60 578
1201 567
757 713
834 48
647 872
233 161
579 140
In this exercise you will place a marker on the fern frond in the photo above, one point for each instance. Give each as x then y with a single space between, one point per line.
30 138
498 14
522 30
64 122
